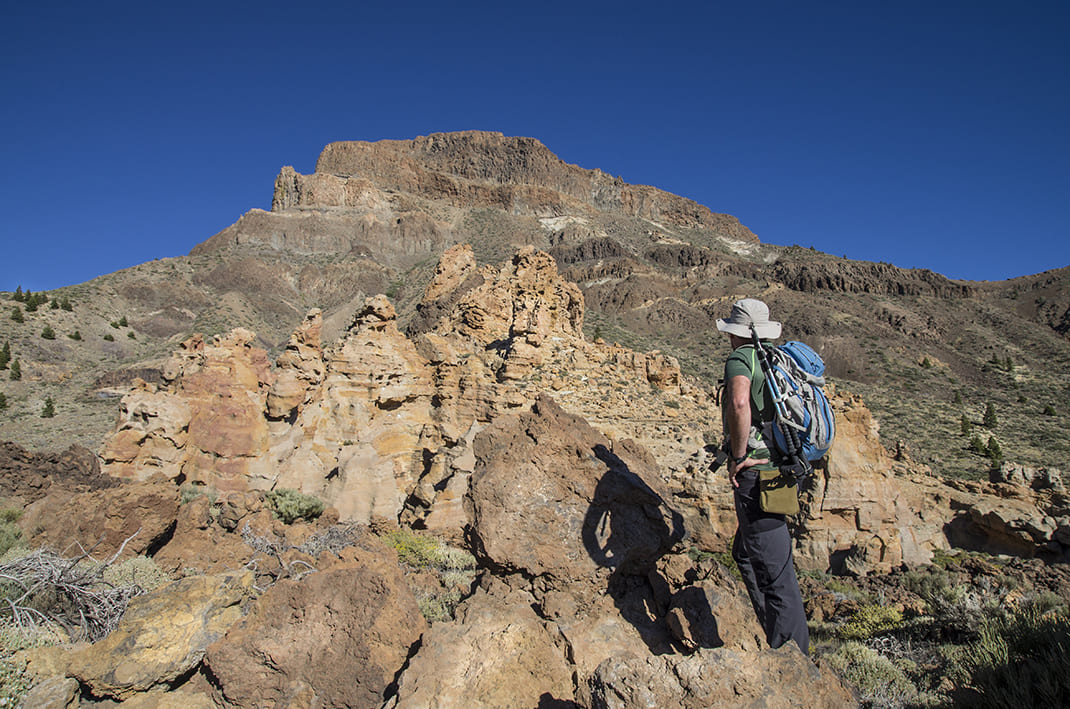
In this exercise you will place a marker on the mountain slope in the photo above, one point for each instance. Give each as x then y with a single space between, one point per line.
656 271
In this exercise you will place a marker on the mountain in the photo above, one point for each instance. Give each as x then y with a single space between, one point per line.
655 270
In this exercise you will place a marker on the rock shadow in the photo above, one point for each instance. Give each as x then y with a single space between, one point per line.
627 528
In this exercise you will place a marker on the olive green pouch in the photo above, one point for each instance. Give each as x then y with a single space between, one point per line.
777 492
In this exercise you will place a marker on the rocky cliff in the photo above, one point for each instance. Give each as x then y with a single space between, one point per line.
381 425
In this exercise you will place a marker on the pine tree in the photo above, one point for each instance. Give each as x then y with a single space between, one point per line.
16 371
54 305
31 302
967 425
958 398
122 321
16 314
5 355
66 304
49 409
48 333
977 445
990 420
19 297
3 401
993 451
76 335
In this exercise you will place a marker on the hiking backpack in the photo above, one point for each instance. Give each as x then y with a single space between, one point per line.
798 375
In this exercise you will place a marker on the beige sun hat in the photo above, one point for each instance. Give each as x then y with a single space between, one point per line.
748 313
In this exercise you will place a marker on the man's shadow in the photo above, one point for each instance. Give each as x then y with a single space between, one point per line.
628 528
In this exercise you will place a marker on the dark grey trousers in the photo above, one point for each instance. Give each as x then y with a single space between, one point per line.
762 550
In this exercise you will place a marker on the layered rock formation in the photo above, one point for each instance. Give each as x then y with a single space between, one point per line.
381 425
371 198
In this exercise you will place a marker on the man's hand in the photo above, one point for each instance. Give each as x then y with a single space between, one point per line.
734 470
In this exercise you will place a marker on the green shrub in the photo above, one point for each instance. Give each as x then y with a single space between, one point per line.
14 683
191 491
966 425
422 551
439 607
139 571
291 505
993 451
16 314
10 534
1049 410
1018 661
16 371
109 337
990 420
76 335
3 401
870 620
5 355
879 681
49 409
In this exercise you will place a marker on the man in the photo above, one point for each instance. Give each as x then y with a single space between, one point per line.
762 545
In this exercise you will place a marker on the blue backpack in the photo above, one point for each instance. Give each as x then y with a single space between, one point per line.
798 374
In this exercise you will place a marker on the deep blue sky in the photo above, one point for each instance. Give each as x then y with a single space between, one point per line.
926 134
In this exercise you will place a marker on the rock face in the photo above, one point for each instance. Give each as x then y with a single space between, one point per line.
581 539
133 518
601 511
381 425
335 638
350 205
27 477
163 636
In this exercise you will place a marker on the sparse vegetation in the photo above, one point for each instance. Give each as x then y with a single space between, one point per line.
16 371
48 333
290 505
49 409
16 315
10 534
993 450
1019 660
80 595
455 569
990 420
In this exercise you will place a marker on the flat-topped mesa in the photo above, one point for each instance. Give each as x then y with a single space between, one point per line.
483 169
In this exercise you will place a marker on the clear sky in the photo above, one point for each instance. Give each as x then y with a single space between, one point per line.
926 134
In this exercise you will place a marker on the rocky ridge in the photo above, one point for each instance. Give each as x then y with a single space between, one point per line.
576 472
381 425
655 270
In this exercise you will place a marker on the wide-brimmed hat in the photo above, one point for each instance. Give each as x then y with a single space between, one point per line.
750 313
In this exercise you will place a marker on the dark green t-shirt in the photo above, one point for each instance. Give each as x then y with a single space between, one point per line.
744 362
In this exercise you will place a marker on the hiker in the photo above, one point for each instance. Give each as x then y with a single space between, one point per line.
762 545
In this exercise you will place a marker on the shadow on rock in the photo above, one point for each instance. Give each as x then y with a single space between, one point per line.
628 528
